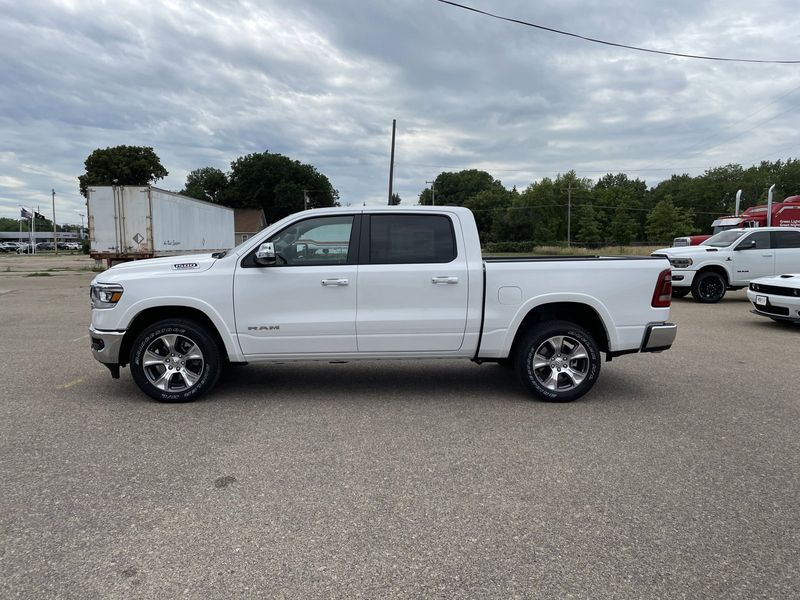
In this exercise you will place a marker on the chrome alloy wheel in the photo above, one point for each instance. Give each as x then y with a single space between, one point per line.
560 363
173 363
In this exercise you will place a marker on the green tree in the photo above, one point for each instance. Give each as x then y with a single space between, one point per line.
587 225
457 188
486 206
127 165
206 184
623 228
395 199
277 184
666 222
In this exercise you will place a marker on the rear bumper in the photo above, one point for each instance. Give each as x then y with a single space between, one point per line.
659 337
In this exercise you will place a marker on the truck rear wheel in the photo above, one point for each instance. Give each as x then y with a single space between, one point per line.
708 287
175 360
558 361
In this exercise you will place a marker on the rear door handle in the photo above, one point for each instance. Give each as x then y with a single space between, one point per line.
444 280
767 255
327 282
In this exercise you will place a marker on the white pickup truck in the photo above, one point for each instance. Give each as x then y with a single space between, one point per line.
376 283
731 259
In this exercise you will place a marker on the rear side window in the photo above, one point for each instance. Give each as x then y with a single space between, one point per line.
404 239
786 239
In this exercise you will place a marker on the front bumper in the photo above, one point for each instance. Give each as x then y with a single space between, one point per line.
105 348
682 278
659 337
783 308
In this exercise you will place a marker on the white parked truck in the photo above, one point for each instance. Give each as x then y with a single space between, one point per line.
376 283
131 222
731 259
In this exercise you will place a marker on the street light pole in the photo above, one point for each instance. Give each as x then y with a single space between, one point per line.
433 192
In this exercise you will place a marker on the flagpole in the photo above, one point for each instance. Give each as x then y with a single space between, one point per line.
55 237
33 230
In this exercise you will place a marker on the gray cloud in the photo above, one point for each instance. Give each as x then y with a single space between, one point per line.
206 82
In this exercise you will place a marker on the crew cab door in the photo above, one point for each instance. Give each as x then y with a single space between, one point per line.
306 302
786 245
753 257
412 284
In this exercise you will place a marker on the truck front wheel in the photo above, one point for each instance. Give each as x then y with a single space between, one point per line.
708 287
558 361
175 361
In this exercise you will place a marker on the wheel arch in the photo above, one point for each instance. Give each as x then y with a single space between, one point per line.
160 313
719 269
574 312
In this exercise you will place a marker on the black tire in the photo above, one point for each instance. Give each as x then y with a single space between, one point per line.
708 287
680 292
556 377
175 360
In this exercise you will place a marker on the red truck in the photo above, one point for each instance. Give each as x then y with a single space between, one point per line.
781 214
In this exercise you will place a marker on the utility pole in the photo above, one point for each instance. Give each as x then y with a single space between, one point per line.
391 163
80 214
569 215
433 192
55 238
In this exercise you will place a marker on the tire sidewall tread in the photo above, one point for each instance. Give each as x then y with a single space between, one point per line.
531 343
198 334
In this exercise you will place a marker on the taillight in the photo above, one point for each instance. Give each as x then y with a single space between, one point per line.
662 295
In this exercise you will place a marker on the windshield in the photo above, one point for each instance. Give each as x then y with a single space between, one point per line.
723 239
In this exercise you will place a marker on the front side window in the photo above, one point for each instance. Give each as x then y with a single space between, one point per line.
405 239
318 241
755 241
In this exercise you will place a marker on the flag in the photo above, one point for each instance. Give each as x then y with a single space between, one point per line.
39 216
25 213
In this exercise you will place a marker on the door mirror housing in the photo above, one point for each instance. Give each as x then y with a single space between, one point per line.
746 245
265 255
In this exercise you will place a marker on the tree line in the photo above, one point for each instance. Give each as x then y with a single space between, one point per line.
615 209
270 181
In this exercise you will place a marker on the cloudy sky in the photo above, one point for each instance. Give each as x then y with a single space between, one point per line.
205 82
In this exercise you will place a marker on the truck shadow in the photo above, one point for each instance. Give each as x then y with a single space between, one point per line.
442 380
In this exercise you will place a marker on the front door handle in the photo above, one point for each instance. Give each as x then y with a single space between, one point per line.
767 255
327 282
444 280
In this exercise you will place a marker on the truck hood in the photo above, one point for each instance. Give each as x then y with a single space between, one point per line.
193 263
688 251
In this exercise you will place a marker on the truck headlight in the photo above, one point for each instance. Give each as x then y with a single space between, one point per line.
105 295
681 263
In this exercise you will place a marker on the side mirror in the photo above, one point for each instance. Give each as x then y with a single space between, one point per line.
265 255
746 245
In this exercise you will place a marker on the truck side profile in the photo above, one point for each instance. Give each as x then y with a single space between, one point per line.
731 259
376 283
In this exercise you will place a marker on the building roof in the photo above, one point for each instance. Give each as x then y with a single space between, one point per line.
248 220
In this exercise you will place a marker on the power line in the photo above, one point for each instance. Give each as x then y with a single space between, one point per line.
615 44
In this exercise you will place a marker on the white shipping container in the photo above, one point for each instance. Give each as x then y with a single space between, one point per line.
134 220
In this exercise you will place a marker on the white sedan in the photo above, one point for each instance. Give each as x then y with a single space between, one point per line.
776 297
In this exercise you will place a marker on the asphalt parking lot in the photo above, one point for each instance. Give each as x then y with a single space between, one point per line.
676 477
